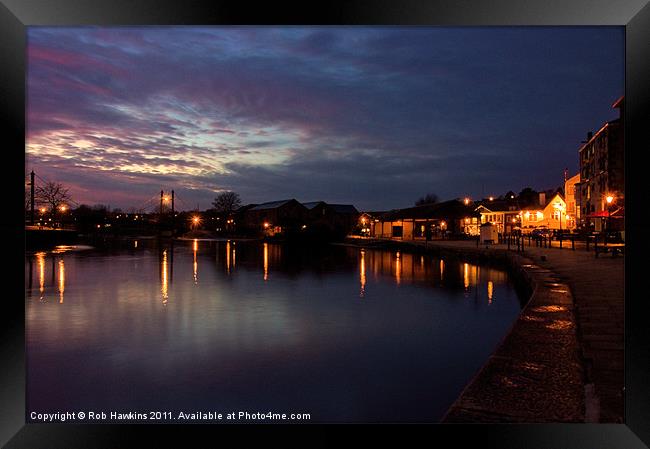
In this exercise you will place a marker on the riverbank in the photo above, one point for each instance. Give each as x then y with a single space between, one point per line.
41 237
562 360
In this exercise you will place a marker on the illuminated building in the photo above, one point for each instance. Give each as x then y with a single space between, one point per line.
602 174
438 220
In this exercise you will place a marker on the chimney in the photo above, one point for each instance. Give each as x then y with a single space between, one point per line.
542 198
589 136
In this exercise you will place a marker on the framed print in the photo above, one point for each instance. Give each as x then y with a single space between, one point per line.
404 221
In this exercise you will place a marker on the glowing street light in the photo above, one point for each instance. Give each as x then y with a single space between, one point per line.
466 201
266 225
610 199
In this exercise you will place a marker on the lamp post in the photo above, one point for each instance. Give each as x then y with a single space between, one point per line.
610 199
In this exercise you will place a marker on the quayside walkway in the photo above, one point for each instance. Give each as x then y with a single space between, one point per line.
536 357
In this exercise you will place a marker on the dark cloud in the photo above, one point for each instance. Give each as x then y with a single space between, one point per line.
376 116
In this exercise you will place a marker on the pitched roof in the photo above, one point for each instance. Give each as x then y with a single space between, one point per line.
547 200
245 208
337 208
310 205
271 205
500 205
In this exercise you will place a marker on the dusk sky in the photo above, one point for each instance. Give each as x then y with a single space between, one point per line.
372 116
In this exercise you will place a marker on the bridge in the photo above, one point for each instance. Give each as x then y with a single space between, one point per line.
50 198
53 217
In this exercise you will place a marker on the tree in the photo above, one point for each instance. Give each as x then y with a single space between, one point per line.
528 196
226 202
429 198
54 194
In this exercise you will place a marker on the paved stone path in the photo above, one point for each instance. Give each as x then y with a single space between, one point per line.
597 286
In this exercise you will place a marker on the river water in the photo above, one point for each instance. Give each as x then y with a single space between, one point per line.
341 333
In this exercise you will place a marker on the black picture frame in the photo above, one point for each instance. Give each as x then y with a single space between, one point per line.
634 15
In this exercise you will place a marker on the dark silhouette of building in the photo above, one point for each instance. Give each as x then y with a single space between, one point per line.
443 219
335 220
276 217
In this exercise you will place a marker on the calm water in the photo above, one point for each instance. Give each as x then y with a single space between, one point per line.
341 333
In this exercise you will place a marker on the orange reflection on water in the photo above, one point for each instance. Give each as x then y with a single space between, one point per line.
61 280
164 283
466 275
228 256
490 291
398 268
40 257
362 274
442 269
195 265
266 261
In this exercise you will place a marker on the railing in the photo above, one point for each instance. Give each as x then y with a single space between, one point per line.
598 243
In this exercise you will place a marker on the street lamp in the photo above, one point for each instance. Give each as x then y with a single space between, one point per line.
610 199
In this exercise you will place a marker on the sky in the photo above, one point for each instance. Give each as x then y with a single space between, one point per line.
371 116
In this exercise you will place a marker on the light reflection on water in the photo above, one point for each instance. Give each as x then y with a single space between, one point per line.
263 327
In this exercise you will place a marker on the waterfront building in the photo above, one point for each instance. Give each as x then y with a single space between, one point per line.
504 214
549 212
446 219
602 174
276 217
572 209
338 219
